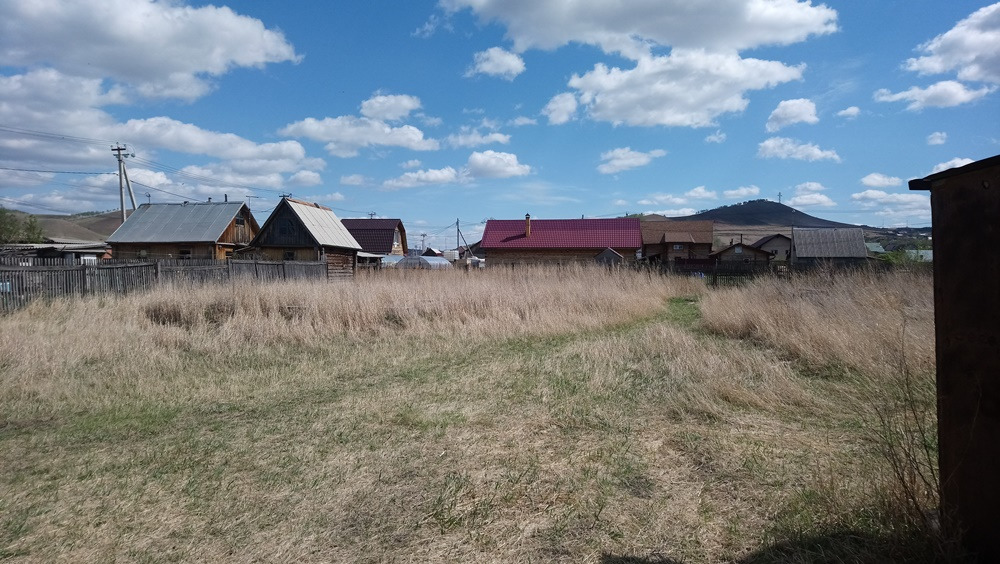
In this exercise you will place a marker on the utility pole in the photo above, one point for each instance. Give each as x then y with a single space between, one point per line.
423 238
371 215
458 234
123 178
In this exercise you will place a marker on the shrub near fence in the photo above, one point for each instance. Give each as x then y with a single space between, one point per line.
24 279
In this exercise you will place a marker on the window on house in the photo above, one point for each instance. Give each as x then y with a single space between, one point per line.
240 220
395 239
184 254
289 255
286 228
229 254
738 250
678 247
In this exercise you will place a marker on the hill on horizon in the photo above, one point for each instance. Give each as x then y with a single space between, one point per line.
762 212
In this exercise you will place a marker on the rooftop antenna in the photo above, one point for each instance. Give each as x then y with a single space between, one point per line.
371 215
148 198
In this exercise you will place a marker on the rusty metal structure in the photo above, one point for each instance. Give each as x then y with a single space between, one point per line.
965 207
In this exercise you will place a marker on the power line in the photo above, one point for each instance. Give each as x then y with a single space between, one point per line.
54 136
29 204
51 171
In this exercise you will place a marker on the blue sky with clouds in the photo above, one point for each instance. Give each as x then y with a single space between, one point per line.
468 109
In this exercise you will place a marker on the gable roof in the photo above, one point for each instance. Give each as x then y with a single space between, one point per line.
199 222
319 221
765 240
751 249
618 233
833 242
659 231
376 235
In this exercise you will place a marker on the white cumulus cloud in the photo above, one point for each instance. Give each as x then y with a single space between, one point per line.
717 137
937 138
969 48
492 164
785 148
473 138
850 112
944 94
156 49
800 110
624 158
701 193
879 180
953 163
346 135
811 200
389 107
498 62
741 192
561 108
446 175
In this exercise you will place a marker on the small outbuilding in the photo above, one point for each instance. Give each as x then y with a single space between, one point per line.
839 246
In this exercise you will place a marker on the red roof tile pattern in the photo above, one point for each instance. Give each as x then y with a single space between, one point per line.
620 233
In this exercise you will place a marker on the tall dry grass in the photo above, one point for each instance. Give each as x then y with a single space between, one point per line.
573 415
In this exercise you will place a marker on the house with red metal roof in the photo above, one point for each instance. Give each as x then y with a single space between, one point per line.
558 241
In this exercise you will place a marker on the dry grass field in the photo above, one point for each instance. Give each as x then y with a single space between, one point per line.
544 415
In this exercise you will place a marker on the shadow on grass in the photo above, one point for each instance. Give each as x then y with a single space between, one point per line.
836 547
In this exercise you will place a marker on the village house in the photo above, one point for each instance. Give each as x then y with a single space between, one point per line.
779 245
835 246
303 231
379 236
191 230
667 240
558 241
743 253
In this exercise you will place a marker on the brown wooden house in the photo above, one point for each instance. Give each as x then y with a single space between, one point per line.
740 252
671 239
191 230
558 241
298 230
379 236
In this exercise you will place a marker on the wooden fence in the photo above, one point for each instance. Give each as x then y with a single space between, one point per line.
25 279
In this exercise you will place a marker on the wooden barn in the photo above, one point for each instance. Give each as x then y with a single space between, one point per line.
191 230
379 236
558 241
671 239
304 231
835 246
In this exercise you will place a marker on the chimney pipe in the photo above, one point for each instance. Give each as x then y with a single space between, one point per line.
225 197
527 225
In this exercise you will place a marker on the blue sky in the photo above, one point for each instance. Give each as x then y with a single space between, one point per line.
471 109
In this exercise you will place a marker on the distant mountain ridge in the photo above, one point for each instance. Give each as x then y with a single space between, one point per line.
762 212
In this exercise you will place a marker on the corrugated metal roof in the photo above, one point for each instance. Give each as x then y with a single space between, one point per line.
323 225
829 243
620 233
200 222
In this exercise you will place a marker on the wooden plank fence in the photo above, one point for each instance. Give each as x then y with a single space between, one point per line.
25 279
